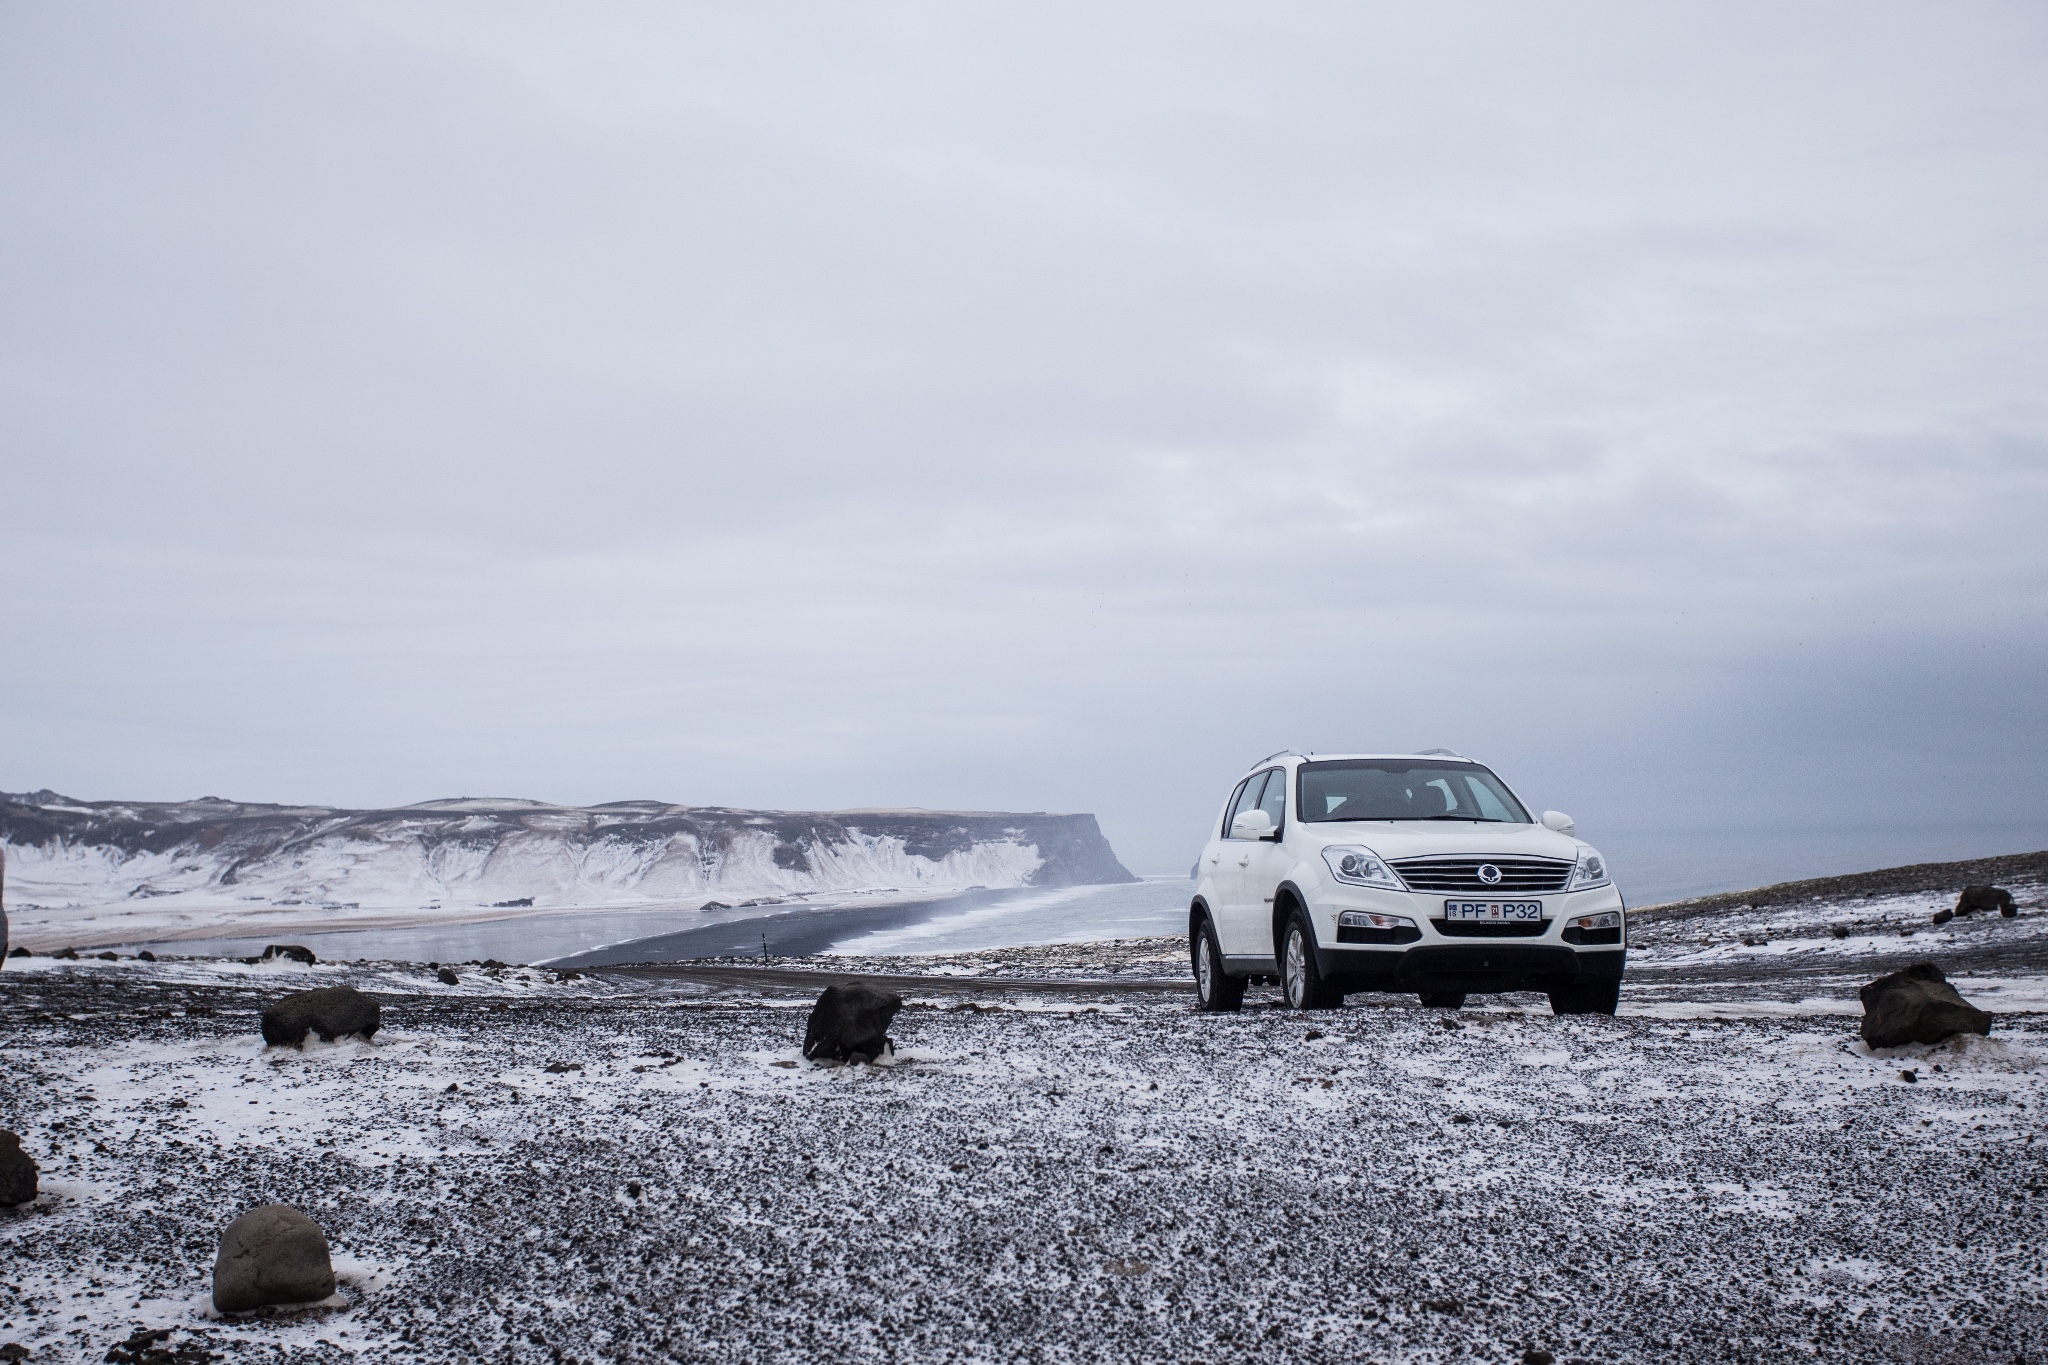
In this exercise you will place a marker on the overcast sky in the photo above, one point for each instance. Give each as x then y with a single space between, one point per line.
1027 407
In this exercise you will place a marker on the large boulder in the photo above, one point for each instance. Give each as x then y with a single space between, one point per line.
850 1023
289 951
1986 898
1917 1005
17 1171
272 1254
331 1011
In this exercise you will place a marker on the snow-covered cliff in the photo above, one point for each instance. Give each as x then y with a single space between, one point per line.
181 863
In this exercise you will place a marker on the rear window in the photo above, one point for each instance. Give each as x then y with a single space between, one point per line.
1405 789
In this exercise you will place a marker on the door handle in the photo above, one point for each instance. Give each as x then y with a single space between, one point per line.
1245 861
1213 857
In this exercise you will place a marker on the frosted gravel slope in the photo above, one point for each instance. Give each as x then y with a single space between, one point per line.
1032 1181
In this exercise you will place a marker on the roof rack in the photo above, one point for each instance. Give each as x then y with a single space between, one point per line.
1438 753
1280 753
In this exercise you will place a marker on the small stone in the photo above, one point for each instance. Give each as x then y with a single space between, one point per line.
331 1011
1443 1306
1839 931
1536 1355
13 1350
447 978
1944 916
142 1349
1910 1077
20 952
291 951
633 1189
1311 1035
145 956
17 1171
272 1254
66 954
558 1068
109 957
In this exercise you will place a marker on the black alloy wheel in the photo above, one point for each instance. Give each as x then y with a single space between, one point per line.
1216 991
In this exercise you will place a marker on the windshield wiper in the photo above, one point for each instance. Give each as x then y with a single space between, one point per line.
1473 819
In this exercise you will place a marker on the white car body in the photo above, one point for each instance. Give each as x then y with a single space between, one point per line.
1251 886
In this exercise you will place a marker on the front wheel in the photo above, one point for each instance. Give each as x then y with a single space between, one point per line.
1300 979
1216 990
1593 997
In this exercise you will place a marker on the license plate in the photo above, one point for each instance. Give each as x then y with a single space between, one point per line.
1494 912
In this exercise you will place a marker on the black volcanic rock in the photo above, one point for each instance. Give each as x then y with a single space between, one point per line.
850 1023
1917 1005
271 1255
291 951
17 1171
1976 898
331 1012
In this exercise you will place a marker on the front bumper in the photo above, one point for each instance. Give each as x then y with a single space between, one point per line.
1440 957
1484 966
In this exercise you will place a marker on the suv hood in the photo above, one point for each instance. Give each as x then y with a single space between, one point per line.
1423 838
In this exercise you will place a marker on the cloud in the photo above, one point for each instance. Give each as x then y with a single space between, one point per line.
1051 409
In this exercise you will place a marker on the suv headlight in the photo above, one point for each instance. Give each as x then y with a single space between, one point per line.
1357 865
1606 919
1591 872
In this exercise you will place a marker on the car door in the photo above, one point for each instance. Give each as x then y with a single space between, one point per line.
1267 864
1237 927
1213 871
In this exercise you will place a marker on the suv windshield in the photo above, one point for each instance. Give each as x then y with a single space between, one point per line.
1405 789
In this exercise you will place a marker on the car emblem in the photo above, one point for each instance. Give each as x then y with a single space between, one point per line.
1488 873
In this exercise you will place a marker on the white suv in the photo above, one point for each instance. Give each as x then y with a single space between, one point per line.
1400 872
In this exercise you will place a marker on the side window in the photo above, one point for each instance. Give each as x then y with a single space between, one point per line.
1274 802
1230 807
1247 799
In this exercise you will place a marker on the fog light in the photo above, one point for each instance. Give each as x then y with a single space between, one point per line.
1606 919
1372 919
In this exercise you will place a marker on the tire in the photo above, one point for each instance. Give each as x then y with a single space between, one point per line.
1216 991
1301 981
1593 997
1442 1000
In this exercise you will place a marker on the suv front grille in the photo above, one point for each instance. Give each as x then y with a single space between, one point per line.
1462 874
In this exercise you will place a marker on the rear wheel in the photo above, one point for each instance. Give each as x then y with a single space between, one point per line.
1215 989
1592 997
1442 1000
1300 979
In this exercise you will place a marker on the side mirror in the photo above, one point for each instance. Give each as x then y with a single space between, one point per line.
1559 821
1252 824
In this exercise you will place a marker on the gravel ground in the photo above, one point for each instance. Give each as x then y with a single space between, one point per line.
1034 1179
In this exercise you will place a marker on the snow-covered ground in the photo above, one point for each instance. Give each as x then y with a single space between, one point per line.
1723 1172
